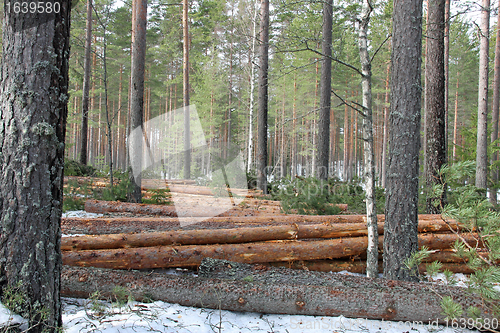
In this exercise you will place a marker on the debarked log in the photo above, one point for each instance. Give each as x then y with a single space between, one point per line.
257 252
271 290
234 235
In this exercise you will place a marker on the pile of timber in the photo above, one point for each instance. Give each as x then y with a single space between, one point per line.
322 243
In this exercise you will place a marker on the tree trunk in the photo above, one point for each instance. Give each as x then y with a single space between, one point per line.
263 98
185 72
386 127
252 89
86 86
239 287
369 155
435 135
33 98
482 104
494 112
446 73
404 144
325 93
137 96
455 121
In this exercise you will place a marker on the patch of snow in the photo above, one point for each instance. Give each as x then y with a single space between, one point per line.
81 213
7 318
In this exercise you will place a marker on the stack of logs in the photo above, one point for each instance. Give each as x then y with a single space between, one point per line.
321 243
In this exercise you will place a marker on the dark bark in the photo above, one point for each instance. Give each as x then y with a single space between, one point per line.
404 143
34 96
239 287
86 86
435 135
263 98
137 95
325 93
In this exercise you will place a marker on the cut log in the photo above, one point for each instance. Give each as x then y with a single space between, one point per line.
97 206
257 252
271 290
135 224
235 235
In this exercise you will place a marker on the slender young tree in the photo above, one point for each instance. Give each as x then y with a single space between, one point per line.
137 94
86 86
400 227
252 88
494 111
325 92
482 104
435 135
185 76
263 98
369 154
33 99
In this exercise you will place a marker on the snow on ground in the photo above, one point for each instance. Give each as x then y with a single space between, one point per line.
86 315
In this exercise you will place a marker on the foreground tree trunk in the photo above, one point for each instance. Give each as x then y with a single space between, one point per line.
263 98
242 287
185 76
369 155
86 86
325 93
33 90
400 235
435 115
137 95
482 104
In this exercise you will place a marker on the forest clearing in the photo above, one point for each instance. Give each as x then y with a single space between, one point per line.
301 160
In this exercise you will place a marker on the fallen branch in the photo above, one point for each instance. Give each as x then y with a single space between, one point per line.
238 287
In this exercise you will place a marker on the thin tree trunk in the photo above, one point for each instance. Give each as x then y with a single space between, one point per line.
400 235
494 112
369 155
435 135
455 121
325 92
386 127
86 86
482 109
185 62
252 89
263 98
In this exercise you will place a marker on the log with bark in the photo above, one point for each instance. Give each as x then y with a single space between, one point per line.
234 235
137 224
255 252
257 288
99 207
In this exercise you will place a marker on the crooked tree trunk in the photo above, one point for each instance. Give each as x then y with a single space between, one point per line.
404 144
369 155
238 287
33 99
